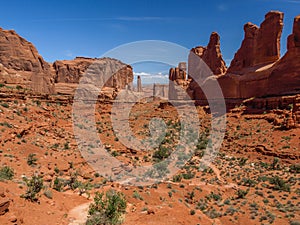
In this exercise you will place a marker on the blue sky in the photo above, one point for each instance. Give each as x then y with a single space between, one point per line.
65 29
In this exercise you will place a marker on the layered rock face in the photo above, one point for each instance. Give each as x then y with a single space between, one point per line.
211 55
178 82
285 75
70 71
23 63
215 65
18 54
257 70
261 45
257 76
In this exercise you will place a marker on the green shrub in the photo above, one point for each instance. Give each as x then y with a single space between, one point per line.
5 105
279 184
31 159
6 173
177 178
295 168
59 184
107 209
161 153
34 186
189 175
192 212
275 163
242 161
241 193
137 195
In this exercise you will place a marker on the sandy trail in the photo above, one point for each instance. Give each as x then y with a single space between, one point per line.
78 215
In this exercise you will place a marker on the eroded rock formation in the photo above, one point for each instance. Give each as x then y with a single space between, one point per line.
263 73
70 71
23 63
261 45
285 75
178 82
256 75
211 55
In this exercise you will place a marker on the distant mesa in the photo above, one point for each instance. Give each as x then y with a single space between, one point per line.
21 64
68 72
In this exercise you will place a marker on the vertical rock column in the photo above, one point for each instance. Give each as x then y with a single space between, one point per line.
139 84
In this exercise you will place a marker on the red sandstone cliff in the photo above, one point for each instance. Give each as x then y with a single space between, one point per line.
70 71
285 76
261 45
211 55
263 72
23 64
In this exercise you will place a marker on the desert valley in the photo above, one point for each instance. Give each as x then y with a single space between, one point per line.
254 178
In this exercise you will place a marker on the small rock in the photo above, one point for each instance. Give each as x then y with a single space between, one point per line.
150 211
2 192
4 205
13 219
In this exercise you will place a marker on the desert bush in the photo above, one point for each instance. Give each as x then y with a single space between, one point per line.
6 173
275 164
189 175
192 212
31 159
177 178
279 184
242 161
241 193
137 195
295 168
161 153
248 182
34 186
59 184
5 105
107 209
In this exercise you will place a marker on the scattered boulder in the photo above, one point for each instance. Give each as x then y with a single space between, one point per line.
4 205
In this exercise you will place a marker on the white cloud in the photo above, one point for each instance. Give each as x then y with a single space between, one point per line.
149 78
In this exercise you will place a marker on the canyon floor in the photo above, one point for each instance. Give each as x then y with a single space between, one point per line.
253 180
